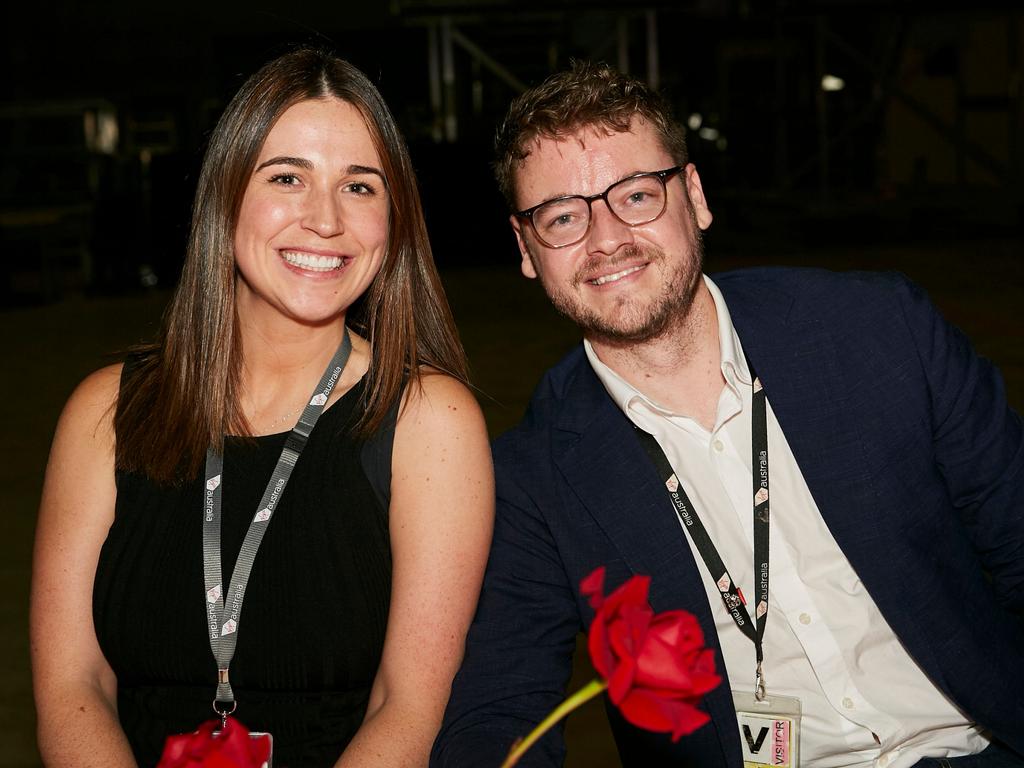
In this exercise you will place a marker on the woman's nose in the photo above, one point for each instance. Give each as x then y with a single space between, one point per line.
324 214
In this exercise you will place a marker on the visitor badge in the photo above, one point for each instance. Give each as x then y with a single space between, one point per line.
769 730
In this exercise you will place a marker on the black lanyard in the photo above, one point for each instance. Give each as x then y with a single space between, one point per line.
224 633
732 597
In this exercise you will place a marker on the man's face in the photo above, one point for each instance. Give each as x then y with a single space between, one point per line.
619 283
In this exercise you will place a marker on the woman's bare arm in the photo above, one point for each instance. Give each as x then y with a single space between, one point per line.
75 688
441 517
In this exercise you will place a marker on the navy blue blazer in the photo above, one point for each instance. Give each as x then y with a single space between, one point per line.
910 452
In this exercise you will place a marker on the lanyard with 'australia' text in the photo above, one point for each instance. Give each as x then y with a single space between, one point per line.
222 615
731 595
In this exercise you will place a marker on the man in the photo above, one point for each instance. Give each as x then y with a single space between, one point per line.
891 554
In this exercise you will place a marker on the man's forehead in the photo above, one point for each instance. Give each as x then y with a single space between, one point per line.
585 160
582 136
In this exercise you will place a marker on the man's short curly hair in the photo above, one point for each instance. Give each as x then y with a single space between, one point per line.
588 95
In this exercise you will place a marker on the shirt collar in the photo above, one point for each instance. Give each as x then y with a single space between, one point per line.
733 362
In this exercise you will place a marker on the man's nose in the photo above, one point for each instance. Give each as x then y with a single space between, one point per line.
608 233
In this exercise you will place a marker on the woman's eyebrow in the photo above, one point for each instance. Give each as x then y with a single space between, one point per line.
300 162
355 169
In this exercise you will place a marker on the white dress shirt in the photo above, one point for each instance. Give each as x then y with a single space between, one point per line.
865 700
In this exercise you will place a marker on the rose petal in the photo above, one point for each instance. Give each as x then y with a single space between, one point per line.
592 587
632 592
237 747
660 666
259 749
188 749
234 744
679 628
704 676
621 679
661 715
174 751
600 648
628 630
655 665
233 748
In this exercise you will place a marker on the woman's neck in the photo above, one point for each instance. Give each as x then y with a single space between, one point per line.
282 362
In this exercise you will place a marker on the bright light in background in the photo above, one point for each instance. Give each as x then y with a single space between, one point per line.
101 131
695 122
832 83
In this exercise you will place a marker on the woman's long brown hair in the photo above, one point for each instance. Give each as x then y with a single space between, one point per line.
182 393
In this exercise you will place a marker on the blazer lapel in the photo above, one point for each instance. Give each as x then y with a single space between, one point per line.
603 462
795 358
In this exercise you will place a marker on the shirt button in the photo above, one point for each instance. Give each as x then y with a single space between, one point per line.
719 446
848 702
806 619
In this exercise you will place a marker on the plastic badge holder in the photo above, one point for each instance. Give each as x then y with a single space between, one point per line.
269 763
769 730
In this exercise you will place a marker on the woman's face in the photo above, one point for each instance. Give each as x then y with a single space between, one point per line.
313 224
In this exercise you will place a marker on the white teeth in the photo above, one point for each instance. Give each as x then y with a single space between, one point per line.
311 261
617 276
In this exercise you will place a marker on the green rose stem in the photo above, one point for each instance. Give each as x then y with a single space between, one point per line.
583 695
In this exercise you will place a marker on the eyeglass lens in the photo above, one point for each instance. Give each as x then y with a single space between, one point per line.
636 200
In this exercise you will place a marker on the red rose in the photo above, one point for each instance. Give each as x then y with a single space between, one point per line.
231 748
656 665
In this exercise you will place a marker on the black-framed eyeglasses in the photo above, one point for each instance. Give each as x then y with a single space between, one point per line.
635 200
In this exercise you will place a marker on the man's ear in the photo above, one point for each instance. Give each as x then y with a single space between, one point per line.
527 266
699 203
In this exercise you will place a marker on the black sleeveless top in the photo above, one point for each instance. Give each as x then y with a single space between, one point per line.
312 626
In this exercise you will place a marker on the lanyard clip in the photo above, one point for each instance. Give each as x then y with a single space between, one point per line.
759 690
223 712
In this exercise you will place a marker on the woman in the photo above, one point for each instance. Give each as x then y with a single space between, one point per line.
306 219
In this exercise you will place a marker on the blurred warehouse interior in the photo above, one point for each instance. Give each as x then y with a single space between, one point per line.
849 119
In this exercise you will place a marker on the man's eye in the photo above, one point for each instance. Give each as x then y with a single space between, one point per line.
557 220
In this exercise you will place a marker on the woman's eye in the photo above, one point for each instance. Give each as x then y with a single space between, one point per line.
285 179
361 188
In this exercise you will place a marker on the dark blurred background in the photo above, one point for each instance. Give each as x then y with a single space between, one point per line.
837 133
878 121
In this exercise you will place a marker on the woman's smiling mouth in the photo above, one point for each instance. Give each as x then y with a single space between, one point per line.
312 261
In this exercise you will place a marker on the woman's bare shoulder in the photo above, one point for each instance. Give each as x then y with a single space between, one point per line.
88 414
437 399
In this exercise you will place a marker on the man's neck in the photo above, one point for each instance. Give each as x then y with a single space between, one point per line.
681 368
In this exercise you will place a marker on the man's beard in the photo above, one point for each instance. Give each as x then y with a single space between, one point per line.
630 322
